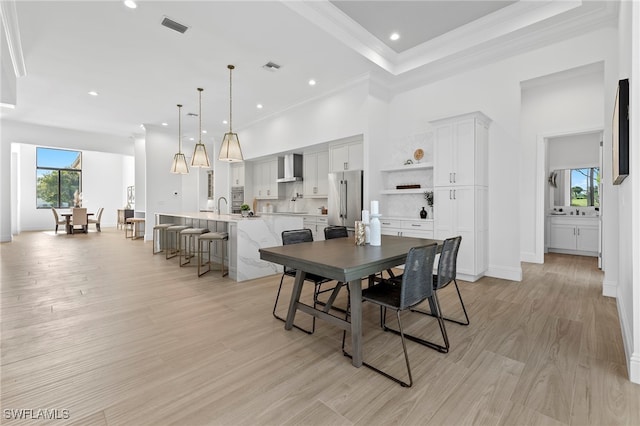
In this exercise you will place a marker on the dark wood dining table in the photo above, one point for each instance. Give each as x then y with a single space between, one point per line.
342 260
68 225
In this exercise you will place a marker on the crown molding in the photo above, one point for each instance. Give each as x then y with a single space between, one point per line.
12 33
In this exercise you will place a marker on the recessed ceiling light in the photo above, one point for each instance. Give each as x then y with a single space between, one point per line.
93 93
204 132
130 4
191 139
165 124
5 105
312 82
259 106
225 122
142 126
394 36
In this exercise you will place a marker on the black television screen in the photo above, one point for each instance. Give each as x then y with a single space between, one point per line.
620 132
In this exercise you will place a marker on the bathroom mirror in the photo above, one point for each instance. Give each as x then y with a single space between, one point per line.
576 187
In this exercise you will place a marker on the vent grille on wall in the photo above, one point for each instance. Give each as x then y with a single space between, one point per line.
176 26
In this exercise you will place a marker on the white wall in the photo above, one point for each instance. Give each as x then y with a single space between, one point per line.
575 151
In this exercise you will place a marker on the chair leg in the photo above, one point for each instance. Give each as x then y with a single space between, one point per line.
275 306
435 307
404 349
56 228
464 310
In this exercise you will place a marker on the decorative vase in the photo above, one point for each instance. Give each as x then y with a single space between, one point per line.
423 213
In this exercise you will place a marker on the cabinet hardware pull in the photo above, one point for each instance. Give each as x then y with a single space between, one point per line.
413 224
454 194
454 177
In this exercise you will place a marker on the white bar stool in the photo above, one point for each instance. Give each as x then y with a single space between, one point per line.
172 250
208 238
161 231
189 244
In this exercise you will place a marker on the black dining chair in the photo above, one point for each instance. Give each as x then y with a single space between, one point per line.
331 232
295 237
415 287
447 270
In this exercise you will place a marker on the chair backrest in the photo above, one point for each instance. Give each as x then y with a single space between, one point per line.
417 277
80 216
335 231
447 265
55 214
297 236
99 214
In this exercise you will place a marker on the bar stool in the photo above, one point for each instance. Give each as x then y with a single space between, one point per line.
208 238
161 231
187 237
170 249
133 224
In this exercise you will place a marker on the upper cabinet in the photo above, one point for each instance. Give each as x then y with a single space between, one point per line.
346 156
460 150
265 174
316 170
237 174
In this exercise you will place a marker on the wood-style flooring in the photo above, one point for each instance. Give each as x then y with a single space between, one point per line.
96 325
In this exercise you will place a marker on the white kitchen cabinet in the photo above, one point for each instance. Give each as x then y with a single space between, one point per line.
460 150
401 227
237 174
346 156
574 235
316 171
317 225
460 189
265 174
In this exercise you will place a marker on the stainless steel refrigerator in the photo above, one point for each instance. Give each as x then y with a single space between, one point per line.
345 198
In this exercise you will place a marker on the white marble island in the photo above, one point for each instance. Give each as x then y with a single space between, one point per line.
246 236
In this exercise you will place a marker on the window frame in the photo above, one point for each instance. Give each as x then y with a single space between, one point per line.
59 171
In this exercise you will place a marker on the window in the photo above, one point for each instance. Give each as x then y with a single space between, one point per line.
585 187
58 177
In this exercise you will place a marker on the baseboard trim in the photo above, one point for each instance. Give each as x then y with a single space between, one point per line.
634 368
512 274
6 238
530 258
633 360
610 289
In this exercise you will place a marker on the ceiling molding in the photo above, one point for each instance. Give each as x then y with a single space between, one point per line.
12 33
494 26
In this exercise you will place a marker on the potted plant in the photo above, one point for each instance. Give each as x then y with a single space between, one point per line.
244 210
428 195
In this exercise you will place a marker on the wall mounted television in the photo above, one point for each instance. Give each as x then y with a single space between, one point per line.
620 132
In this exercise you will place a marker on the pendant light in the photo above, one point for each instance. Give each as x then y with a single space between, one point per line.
179 164
200 157
230 150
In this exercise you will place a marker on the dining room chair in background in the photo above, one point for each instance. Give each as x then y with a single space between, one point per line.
298 236
79 218
416 287
97 219
331 232
58 221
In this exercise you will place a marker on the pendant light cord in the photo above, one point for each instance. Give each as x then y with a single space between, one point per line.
231 67
200 116
179 129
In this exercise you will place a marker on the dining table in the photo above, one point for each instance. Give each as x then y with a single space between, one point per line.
68 225
342 260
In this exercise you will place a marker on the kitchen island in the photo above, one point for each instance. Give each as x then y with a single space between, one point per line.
246 236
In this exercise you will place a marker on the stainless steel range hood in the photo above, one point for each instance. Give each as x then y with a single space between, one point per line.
289 168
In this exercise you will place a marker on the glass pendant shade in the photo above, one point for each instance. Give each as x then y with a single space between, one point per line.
200 157
230 149
179 164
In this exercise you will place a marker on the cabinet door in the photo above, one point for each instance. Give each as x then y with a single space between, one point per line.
443 156
464 146
355 160
464 225
444 213
237 175
339 158
258 182
587 238
563 237
323 174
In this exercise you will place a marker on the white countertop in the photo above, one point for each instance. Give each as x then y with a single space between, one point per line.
211 216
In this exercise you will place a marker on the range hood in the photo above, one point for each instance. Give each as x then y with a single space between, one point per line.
289 168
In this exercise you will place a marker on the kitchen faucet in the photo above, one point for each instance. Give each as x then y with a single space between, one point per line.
225 201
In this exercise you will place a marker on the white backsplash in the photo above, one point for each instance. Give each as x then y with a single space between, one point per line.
286 203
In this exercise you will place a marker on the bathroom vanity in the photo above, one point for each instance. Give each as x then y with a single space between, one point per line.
572 234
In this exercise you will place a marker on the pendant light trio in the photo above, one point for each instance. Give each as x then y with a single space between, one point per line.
229 151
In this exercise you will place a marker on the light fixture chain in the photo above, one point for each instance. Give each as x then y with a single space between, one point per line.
200 118
179 129
230 98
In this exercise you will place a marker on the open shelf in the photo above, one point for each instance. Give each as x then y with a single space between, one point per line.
405 191
409 167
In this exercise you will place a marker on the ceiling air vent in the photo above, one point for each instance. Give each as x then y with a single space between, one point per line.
176 26
271 66
192 114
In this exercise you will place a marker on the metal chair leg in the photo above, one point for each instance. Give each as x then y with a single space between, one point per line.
464 310
275 306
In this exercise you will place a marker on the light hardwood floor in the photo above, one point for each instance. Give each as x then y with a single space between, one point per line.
97 325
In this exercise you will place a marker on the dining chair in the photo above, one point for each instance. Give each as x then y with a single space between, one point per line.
57 219
79 218
97 219
298 236
331 232
447 270
415 287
